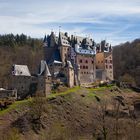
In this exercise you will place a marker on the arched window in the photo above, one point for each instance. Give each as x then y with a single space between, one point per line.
81 61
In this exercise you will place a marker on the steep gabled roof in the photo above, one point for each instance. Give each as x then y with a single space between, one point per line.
20 70
82 40
44 70
64 39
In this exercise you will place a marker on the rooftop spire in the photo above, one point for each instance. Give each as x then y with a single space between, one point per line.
59 29
45 38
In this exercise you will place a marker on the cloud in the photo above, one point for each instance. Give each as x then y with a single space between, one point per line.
100 18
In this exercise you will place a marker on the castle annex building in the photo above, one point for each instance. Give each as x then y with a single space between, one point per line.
68 60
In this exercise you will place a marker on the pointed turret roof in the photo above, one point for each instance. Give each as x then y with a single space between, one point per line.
55 57
44 70
45 38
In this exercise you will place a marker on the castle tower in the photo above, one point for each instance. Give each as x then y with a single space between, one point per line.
45 45
104 63
44 79
47 81
78 75
50 45
64 46
70 74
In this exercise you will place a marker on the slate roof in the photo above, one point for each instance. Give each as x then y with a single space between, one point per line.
55 57
64 39
20 70
44 69
81 50
2 89
81 40
84 46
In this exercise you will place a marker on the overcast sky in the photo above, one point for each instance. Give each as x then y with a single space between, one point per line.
116 21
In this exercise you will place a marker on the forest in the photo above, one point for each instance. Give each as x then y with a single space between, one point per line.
126 61
22 49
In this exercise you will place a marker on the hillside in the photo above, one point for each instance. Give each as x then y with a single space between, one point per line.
76 114
126 59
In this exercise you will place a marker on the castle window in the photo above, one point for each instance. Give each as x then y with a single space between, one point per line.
111 61
83 67
106 66
81 61
106 60
86 61
101 61
110 67
86 67
92 61
98 61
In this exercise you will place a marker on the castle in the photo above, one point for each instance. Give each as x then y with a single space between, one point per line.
80 60
69 60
